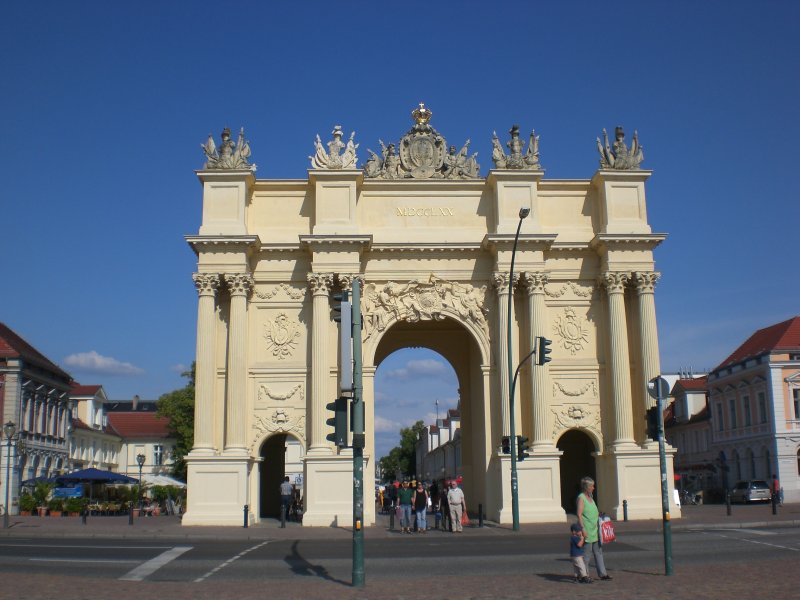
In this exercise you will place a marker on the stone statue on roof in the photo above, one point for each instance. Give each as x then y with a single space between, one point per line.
230 154
619 156
334 158
518 158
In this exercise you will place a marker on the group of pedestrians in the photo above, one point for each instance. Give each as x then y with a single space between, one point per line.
447 505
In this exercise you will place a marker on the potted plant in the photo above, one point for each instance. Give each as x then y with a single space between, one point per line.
27 504
74 506
40 495
56 506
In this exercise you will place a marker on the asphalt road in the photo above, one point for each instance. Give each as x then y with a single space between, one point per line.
497 554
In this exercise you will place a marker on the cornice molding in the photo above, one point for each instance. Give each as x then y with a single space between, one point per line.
497 242
612 240
336 240
198 242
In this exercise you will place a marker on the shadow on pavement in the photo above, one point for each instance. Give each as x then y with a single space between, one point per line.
300 566
557 578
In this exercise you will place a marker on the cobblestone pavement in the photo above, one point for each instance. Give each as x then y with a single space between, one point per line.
751 578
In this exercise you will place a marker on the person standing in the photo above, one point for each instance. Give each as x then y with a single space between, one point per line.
404 495
577 554
588 517
287 491
457 505
420 502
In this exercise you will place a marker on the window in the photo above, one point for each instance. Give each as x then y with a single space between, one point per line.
720 426
746 402
762 407
732 404
158 455
796 396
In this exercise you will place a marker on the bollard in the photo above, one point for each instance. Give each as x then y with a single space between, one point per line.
84 512
130 514
624 510
480 515
774 504
246 520
283 516
391 518
728 502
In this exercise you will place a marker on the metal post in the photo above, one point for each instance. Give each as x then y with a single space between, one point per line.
6 524
774 503
358 442
624 510
523 212
658 388
480 515
283 516
728 502
130 513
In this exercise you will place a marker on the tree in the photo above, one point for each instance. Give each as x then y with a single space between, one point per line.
402 459
178 407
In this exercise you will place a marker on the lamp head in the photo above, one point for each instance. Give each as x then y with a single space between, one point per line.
140 459
9 429
524 212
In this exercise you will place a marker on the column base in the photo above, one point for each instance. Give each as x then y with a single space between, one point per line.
328 498
217 489
538 488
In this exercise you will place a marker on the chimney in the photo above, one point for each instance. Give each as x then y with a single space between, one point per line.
135 402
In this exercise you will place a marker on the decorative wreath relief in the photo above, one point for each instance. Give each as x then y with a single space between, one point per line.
572 330
281 335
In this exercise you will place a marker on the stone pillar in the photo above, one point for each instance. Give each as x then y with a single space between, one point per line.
537 319
321 284
239 286
207 285
501 283
648 333
620 370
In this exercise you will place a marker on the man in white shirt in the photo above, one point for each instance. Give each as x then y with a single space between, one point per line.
457 504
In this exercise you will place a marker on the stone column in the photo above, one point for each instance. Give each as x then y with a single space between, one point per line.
648 333
619 363
500 281
239 286
207 285
537 319
321 284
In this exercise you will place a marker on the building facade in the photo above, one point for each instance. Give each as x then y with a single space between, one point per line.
754 399
93 443
431 241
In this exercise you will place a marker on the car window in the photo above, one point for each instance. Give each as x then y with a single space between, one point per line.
759 485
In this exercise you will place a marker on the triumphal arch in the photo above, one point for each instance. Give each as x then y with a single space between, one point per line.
430 237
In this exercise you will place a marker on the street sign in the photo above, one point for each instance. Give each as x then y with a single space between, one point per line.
658 387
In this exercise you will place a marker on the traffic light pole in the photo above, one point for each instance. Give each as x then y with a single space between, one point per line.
358 442
659 389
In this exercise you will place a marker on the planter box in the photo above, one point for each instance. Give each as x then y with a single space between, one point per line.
42 510
74 514
55 513
24 513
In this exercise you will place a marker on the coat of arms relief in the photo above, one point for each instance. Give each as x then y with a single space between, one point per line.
282 334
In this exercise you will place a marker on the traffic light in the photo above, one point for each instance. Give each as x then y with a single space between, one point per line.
505 445
338 421
343 314
652 423
543 351
522 447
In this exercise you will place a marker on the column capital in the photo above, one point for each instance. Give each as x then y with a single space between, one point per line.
535 281
645 281
239 284
321 283
500 281
614 281
207 284
346 280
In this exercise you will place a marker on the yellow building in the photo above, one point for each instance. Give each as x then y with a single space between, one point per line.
431 241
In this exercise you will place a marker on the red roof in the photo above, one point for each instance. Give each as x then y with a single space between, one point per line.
696 384
84 390
139 424
781 336
13 346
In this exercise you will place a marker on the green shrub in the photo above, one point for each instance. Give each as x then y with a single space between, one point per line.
42 492
74 505
27 503
56 504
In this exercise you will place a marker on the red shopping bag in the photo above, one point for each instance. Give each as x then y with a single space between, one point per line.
607 534
465 519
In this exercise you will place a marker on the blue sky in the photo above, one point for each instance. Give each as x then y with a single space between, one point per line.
105 105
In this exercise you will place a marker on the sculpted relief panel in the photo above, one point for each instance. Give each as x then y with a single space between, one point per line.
420 301
282 334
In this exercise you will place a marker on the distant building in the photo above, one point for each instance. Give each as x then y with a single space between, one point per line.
93 443
144 433
34 395
438 450
754 401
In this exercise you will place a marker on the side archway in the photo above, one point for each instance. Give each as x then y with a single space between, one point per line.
281 456
577 461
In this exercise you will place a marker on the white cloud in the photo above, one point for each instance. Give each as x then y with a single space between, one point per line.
383 425
179 368
428 367
92 362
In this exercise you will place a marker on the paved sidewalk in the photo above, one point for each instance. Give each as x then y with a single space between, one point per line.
712 516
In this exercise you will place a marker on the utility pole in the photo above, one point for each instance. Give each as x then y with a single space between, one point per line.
358 442
658 388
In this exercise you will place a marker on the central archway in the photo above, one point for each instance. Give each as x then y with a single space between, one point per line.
457 345
577 461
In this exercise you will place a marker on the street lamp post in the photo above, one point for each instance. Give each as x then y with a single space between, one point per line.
140 458
9 429
523 212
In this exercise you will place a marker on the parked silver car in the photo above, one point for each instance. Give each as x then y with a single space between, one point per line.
753 490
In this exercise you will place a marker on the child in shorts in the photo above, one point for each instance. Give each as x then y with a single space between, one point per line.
577 554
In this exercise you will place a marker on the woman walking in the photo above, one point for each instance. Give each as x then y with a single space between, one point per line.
588 517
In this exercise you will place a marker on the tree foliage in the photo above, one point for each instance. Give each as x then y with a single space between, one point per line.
402 459
178 407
